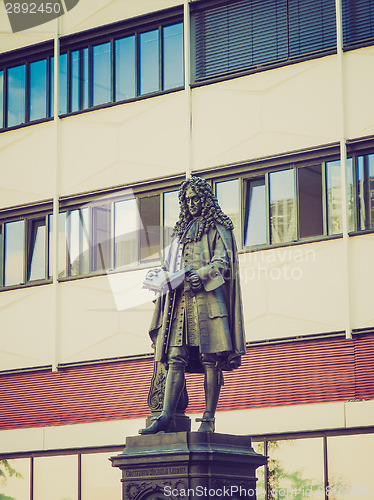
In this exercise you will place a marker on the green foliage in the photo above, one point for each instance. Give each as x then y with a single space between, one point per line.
296 481
6 470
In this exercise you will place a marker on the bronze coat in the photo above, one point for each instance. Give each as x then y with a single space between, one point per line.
219 305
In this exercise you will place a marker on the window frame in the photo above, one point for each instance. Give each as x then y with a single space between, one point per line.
252 171
26 56
265 174
94 200
97 36
354 42
196 81
28 215
81 41
355 153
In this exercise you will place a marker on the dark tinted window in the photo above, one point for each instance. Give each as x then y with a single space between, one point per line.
310 201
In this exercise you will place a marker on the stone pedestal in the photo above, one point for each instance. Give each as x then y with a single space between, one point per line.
188 465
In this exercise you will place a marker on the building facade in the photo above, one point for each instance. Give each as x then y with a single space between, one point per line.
103 112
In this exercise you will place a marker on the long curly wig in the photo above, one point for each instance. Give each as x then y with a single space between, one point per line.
211 212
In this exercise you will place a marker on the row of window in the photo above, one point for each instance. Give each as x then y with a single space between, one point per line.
299 202
227 37
115 71
249 33
86 476
252 33
104 235
316 468
331 467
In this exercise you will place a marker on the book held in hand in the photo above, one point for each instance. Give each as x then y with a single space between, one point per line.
160 280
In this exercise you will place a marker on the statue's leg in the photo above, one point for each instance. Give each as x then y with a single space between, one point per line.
173 387
212 387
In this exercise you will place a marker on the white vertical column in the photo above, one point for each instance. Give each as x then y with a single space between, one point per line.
56 122
343 163
187 85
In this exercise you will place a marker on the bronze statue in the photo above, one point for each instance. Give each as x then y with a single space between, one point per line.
198 324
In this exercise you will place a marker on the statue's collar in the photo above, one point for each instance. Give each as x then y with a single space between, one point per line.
192 230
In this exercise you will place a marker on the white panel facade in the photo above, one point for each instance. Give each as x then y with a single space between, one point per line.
282 292
27 165
87 15
359 98
123 144
27 328
361 281
97 324
267 113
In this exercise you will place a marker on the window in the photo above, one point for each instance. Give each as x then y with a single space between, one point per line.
79 80
61 242
149 62
228 196
110 235
256 214
312 26
48 481
1 255
125 232
365 191
99 480
1 99
125 63
24 250
14 245
334 196
149 209
38 90
78 242
349 465
75 80
173 67
15 483
63 93
101 69
296 203
295 468
101 234
310 201
16 94
170 215
358 22
282 206
85 476
36 268
84 79
245 34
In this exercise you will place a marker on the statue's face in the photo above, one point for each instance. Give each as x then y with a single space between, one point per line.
194 203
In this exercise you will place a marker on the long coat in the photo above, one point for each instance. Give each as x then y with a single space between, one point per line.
218 303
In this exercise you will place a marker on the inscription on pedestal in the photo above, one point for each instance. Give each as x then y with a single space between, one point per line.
155 471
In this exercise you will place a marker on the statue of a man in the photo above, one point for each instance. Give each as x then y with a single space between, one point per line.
198 326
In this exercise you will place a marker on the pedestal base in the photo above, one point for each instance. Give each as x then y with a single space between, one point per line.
188 465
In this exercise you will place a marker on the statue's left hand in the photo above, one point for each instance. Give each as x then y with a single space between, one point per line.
194 280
